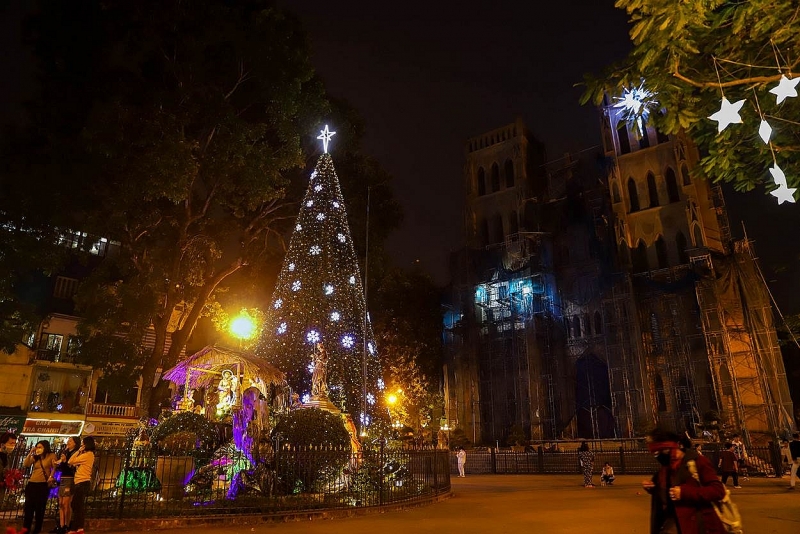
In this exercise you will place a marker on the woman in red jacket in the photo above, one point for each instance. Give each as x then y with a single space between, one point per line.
683 489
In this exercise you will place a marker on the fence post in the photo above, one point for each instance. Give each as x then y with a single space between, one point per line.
436 471
621 460
125 474
540 459
382 463
493 460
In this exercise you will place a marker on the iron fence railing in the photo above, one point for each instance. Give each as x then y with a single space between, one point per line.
761 461
131 483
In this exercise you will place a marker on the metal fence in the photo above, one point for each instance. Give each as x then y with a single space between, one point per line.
135 484
761 461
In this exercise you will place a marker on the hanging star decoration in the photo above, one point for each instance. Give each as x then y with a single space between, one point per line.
325 135
786 88
783 193
765 131
727 114
635 104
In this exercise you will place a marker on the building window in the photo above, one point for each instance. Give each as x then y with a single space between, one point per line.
598 323
576 326
481 182
509 171
640 263
633 195
624 140
495 178
680 245
566 327
50 347
698 237
587 324
661 253
652 191
65 287
672 186
644 140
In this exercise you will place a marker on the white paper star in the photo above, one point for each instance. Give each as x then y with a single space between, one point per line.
765 130
325 135
785 88
783 193
727 114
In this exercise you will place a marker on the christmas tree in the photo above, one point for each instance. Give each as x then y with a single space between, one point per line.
318 303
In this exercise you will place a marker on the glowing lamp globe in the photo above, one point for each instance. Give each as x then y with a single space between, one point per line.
243 327
391 398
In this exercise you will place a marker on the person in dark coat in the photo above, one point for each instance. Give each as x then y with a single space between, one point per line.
683 489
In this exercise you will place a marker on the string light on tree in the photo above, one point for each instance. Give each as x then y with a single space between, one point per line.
321 260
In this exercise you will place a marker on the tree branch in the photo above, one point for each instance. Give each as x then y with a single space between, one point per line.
733 83
243 77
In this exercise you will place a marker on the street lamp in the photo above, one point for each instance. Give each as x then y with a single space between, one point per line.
242 327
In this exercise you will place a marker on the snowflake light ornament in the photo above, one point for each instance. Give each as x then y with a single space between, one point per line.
329 289
291 267
313 174
314 250
728 114
317 188
370 398
296 285
341 238
277 304
309 203
312 336
335 204
298 227
635 104
381 385
281 328
306 398
371 348
320 216
348 341
335 316
352 280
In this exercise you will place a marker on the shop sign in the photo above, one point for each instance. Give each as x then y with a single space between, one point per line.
50 427
99 428
11 423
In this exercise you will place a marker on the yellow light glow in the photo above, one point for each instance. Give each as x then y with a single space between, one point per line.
243 326
391 398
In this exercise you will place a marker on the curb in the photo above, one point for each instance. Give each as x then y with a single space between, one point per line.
127 525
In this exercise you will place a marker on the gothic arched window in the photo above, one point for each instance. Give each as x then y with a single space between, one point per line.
509 172
633 195
652 191
495 178
672 186
481 181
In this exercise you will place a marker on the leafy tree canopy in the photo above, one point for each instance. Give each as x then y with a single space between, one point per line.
692 52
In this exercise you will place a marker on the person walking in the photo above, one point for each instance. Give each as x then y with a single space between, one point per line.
461 456
586 459
8 442
741 455
682 490
794 450
66 484
786 458
37 491
83 461
729 465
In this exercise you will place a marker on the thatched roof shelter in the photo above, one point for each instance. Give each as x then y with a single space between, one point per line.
203 369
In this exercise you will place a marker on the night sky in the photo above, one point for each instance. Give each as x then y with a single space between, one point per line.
425 76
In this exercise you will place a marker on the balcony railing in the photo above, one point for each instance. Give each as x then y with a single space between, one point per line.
51 355
113 410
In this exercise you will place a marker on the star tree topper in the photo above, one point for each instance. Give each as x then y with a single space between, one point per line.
325 135
727 114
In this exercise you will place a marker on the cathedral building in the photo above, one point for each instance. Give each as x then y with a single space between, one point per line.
601 293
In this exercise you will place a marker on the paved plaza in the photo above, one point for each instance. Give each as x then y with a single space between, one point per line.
500 504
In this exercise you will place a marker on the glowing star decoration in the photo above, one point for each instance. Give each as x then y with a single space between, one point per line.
291 266
296 285
278 303
320 216
348 341
786 88
325 135
370 398
765 131
341 238
352 280
312 336
314 250
783 193
335 316
329 289
281 328
635 104
317 188
727 114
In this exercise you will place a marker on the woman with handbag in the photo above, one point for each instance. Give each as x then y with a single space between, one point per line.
37 491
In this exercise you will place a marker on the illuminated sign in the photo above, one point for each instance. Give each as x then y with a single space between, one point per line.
50 427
